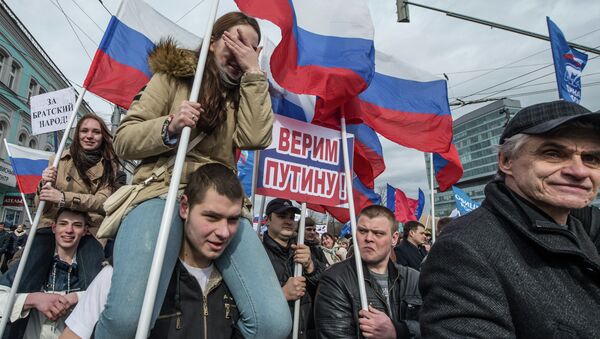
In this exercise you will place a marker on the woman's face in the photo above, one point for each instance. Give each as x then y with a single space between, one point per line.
224 57
90 135
327 242
20 228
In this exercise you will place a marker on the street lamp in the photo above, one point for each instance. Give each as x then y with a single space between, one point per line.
402 11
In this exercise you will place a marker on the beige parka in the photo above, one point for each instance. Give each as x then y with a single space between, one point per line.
139 134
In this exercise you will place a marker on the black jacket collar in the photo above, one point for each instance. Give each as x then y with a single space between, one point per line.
538 227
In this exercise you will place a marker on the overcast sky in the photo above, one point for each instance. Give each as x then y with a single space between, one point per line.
473 56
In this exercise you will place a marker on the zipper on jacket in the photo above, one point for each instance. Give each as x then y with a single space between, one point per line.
205 314
177 316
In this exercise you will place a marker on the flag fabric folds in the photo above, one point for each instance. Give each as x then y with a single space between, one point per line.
120 67
464 203
405 105
404 208
28 165
332 59
363 197
568 64
447 168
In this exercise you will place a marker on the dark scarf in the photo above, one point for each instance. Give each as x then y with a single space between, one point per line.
90 159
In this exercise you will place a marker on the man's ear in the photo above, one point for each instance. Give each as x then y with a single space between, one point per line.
395 237
504 164
183 207
54 227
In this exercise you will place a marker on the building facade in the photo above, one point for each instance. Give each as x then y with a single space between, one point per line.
476 134
25 70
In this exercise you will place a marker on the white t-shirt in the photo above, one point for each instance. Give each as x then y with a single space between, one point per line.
201 274
87 312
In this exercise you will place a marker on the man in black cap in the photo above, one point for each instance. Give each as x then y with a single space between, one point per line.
523 265
284 253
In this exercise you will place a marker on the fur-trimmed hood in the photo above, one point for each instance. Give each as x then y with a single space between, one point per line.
177 62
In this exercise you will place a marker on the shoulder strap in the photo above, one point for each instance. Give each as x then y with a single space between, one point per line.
159 171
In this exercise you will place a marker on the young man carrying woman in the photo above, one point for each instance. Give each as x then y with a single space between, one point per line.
234 110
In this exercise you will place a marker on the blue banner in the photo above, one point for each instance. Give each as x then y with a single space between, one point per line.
464 203
568 64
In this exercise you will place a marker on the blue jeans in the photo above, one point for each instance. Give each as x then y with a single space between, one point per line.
244 265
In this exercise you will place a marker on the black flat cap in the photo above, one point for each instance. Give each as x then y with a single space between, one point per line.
544 117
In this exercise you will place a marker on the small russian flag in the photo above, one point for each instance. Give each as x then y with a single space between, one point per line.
28 165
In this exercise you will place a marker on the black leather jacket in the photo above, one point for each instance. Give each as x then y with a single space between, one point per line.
338 300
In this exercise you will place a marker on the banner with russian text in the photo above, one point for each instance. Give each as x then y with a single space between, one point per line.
51 111
304 163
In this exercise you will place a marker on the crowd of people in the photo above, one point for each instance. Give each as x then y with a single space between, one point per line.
524 264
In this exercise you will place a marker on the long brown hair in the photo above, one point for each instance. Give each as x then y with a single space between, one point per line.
109 157
215 96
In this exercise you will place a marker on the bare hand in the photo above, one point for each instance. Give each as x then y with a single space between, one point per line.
72 299
294 288
186 116
245 55
302 256
50 194
49 175
53 306
376 324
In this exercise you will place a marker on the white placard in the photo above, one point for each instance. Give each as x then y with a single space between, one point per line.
7 177
51 111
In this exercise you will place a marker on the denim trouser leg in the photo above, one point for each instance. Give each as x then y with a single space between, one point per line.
132 259
251 279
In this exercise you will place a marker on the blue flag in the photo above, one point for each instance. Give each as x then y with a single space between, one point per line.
568 64
464 203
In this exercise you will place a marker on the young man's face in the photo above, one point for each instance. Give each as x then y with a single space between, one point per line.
209 227
375 239
418 236
310 233
281 226
69 229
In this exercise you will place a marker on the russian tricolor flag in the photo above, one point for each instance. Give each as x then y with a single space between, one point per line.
405 105
28 165
368 152
326 47
447 168
120 67
363 197
404 208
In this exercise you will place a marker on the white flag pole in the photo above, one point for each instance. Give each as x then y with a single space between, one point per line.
36 220
165 225
298 272
22 195
254 183
432 190
357 257
261 212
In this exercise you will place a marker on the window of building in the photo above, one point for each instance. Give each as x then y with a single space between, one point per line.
3 129
33 89
22 139
32 143
42 90
13 76
3 59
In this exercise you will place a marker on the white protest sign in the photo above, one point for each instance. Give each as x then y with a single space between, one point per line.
51 111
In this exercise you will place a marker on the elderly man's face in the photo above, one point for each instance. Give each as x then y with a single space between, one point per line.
557 173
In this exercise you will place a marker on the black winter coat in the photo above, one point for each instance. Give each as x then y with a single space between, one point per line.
338 300
6 243
507 270
282 259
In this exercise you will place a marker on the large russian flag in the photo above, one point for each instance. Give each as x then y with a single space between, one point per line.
447 168
326 47
368 152
406 105
120 67
28 165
